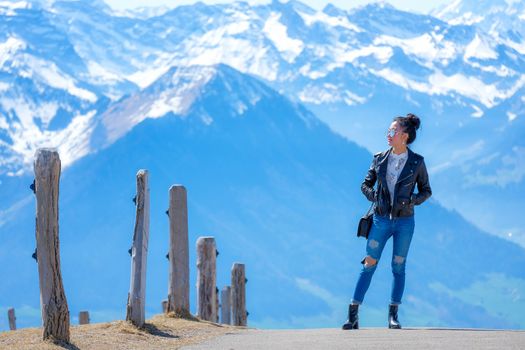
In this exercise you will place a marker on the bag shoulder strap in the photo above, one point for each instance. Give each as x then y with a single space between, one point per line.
370 209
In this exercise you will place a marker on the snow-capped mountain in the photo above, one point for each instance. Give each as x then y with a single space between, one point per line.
321 58
467 12
175 93
502 22
66 64
283 43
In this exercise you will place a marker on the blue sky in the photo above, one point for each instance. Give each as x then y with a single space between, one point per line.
411 5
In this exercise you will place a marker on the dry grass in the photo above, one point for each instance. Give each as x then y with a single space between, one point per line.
160 332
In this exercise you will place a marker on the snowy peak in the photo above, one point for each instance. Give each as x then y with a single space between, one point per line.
333 10
501 22
176 93
99 5
458 8
143 12
382 18
470 12
292 5
12 8
42 103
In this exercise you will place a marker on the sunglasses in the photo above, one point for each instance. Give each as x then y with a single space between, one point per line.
392 132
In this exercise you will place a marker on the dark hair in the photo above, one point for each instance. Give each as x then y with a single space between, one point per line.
410 124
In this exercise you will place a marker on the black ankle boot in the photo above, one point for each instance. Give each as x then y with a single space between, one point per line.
353 317
393 322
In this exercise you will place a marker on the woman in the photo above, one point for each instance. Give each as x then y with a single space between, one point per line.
396 171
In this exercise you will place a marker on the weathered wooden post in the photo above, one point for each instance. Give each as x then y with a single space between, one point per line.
179 277
238 295
55 312
164 305
206 279
83 317
12 319
139 253
226 305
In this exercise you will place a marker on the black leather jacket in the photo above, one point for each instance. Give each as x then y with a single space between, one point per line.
414 172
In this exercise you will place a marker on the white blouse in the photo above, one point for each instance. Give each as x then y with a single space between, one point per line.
396 162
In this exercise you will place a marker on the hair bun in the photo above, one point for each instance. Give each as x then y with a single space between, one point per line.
414 120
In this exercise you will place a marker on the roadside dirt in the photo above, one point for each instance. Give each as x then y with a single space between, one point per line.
159 332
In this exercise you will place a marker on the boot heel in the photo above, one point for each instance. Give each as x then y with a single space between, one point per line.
353 318
393 322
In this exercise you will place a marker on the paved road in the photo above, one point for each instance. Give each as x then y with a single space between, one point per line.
367 339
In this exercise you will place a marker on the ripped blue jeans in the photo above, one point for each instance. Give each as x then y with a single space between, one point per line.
383 228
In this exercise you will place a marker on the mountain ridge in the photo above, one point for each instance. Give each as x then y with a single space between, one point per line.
109 73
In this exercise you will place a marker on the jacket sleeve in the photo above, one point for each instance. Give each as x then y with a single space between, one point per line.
423 185
367 187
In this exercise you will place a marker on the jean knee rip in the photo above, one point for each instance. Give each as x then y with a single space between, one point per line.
399 259
398 265
373 244
370 265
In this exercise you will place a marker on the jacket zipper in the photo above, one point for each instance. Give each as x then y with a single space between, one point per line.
395 192
406 177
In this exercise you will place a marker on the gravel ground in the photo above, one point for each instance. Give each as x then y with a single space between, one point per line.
160 332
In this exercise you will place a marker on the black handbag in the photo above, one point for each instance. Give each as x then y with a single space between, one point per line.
365 223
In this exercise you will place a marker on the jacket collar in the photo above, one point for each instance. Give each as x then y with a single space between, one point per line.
383 163
408 169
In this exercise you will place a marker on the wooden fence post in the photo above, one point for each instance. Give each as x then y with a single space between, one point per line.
12 319
139 252
226 305
179 277
206 279
238 295
55 312
83 317
164 305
